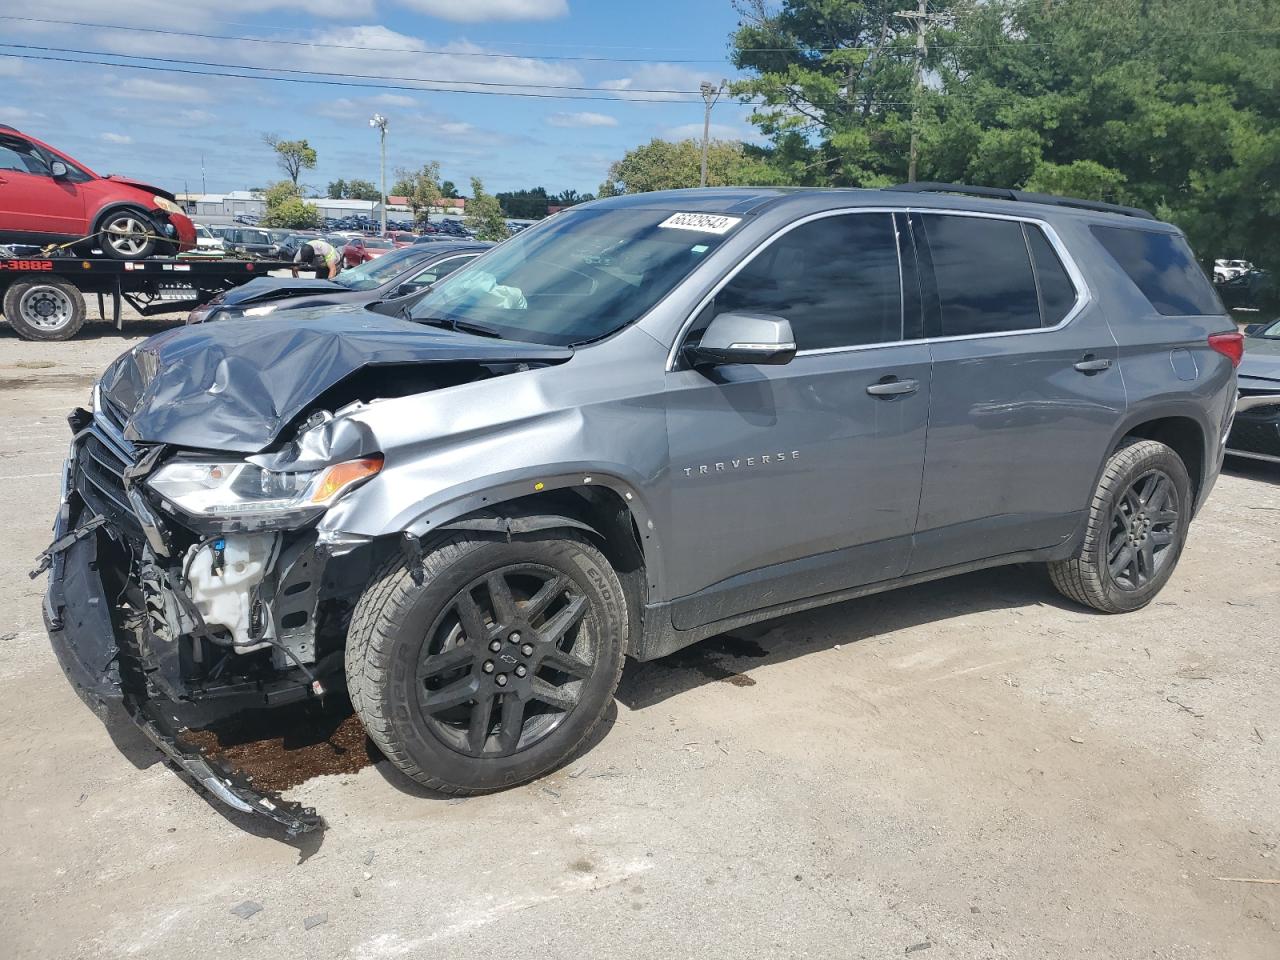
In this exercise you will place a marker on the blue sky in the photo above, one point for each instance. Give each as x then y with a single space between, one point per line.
156 125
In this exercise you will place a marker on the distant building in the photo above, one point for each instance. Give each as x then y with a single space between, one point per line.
238 202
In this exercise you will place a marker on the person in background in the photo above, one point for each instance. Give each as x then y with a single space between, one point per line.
321 256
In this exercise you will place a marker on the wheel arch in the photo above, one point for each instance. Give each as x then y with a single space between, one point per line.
116 206
1180 427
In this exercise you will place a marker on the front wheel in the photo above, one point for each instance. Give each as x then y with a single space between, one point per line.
128 235
489 665
1137 526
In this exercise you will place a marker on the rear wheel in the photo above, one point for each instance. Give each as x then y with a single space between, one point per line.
1137 526
128 235
47 309
493 669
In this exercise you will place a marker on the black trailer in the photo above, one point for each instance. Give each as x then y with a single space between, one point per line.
42 296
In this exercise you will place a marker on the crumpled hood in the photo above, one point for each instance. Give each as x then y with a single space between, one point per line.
274 288
235 385
150 188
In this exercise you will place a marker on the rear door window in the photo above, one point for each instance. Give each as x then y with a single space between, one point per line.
1163 268
835 279
983 275
1057 292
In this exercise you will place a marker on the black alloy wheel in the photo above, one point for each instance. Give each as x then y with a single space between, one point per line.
1144 525
506 662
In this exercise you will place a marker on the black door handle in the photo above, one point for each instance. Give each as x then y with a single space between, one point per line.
893 387
1092 364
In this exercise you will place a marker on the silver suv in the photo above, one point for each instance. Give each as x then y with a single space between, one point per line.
647 420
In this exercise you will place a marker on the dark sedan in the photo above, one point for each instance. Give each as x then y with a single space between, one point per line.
400 273
1256 432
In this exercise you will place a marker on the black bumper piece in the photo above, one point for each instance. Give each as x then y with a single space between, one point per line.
77 618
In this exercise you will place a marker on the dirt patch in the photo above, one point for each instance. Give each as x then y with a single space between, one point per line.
283 748
48 379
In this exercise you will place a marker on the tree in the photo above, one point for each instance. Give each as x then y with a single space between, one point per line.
286 208
668 165
420 187
449 190
524 204
353 190
571 198
293 156
484 214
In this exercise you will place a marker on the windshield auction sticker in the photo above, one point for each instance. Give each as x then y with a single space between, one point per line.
702 222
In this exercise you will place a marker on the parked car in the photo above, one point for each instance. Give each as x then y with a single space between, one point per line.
46 197
392 278
288 245
1256 430
401 238
745 402
1227 269
248 219
360 250
251 241
207 241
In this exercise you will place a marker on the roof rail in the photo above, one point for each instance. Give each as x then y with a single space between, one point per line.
5 126
1004 193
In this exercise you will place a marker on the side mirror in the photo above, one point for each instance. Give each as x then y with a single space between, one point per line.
744 338
408 287
58 170
1253 328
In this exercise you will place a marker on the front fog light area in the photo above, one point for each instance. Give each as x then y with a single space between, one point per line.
235 490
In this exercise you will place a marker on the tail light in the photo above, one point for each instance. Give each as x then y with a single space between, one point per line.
1230 345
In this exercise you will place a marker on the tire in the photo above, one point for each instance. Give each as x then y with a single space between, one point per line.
127 234
1137 526
46 309
435 699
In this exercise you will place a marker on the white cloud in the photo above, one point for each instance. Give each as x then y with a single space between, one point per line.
583 119
140 88
661 76
479 11
187 16
117 138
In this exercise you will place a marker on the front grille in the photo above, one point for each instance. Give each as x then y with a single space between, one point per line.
99 479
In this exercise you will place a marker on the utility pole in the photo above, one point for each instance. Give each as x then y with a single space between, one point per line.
204 187
919 16
710 94
380 122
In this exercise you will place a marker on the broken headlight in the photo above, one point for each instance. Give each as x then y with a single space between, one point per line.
239 491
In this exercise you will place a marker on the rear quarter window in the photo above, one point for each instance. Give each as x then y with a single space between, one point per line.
1162 267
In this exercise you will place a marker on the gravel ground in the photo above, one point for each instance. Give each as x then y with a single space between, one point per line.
972 769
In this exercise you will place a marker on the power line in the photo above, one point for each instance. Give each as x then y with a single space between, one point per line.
325 73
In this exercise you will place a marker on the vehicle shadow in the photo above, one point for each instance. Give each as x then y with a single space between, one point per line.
728 657
95 329
1247 469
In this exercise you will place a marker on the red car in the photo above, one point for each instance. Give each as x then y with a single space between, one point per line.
363 249
46 197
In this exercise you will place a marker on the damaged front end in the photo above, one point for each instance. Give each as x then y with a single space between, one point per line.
184 588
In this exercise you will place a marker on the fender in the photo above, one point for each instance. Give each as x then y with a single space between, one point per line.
1163 409
485 495
151 213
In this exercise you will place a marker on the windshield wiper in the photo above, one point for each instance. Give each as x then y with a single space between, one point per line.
460 326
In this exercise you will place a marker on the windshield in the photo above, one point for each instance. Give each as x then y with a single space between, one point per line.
578 276
375 273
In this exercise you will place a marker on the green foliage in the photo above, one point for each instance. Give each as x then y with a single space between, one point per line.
353 190
571 198
524 204
449 190
293 156
420 187
286 208
484 214
1168 105
668 165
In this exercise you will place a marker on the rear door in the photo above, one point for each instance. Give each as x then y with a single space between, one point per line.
31 200
1026 389
794 481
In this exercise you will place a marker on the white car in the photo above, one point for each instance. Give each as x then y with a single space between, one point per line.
1229 269
207 241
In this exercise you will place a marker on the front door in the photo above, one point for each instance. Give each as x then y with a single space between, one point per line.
1026 390
798 480
31 200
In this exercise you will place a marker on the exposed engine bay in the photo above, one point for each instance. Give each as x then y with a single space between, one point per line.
189 581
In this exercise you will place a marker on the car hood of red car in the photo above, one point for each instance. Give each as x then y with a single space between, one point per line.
149 188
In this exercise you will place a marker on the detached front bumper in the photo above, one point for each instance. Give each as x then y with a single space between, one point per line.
77 614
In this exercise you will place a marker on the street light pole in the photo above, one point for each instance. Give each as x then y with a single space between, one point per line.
380 122
710 94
